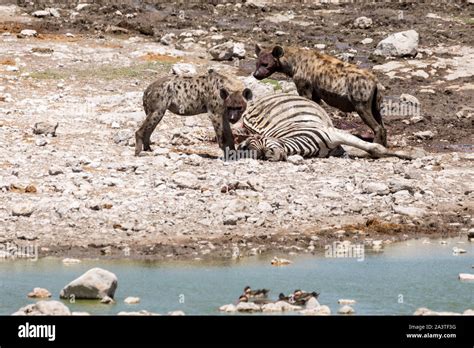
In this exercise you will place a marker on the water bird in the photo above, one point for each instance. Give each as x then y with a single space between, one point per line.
259 293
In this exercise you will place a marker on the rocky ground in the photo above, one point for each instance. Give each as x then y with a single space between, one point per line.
83 192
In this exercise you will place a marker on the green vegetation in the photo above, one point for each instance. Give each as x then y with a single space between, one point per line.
104 72
276 85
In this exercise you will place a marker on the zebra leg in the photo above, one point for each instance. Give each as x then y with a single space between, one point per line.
340 137
143 134
365 112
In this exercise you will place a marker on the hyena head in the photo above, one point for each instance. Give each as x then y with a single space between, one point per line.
235 103
268 61
263 148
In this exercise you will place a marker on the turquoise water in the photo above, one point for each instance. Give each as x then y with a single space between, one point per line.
398 280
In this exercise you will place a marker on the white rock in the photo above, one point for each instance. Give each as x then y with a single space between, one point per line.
132 300
44 308
378 188
469 311
295 159
457 251
409 211
227 50
312 303
229 308
96 283
344 301
185 180
424 135
426 311
363 22
28 33
321 310
139 313
176 313
466 277
248 307
41 142
183 69
41 13
81 7
168 39
54 12
367 41
69 261
420 73
346 309
39 293
276 261
23 209
264 207
399 44
320 46
259 89
80 314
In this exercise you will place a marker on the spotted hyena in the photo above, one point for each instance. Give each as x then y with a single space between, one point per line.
222 96
321 77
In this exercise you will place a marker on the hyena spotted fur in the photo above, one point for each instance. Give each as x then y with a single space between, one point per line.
222 96
321 77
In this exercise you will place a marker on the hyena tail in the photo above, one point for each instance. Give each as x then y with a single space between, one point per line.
377 100
341 137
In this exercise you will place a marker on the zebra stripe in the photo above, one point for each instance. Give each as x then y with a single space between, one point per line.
291 123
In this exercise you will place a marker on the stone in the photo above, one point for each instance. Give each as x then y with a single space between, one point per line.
321 310
420 73
426 311
80 314
378 188
457 251
139 313
168 39
41 142
39 293
400 44
107 300
230 220
468 312
28 33
295 159
229 308
45 128
363 22
80 7
69 261
96 283
312 303
344 301
227 50
320 46
248 307
132 300
176 313
409 99
44 308
466 277
366 41
54 12
424 135
23 209
55 171
41 13
276 261
259 89
346 309
185 180
409 211
183 69
264 207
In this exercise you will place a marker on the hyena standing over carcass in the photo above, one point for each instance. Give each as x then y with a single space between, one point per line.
222 96
321 77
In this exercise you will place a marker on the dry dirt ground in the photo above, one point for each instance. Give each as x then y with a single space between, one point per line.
84 193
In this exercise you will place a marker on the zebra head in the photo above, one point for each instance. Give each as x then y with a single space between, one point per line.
263 148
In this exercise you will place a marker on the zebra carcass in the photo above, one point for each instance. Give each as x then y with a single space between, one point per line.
281 125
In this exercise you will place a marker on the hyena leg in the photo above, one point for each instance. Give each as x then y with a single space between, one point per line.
143 134
340 137
365 112
224 135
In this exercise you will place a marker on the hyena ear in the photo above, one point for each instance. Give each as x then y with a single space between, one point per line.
278 52
247 93
223 93
258 49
